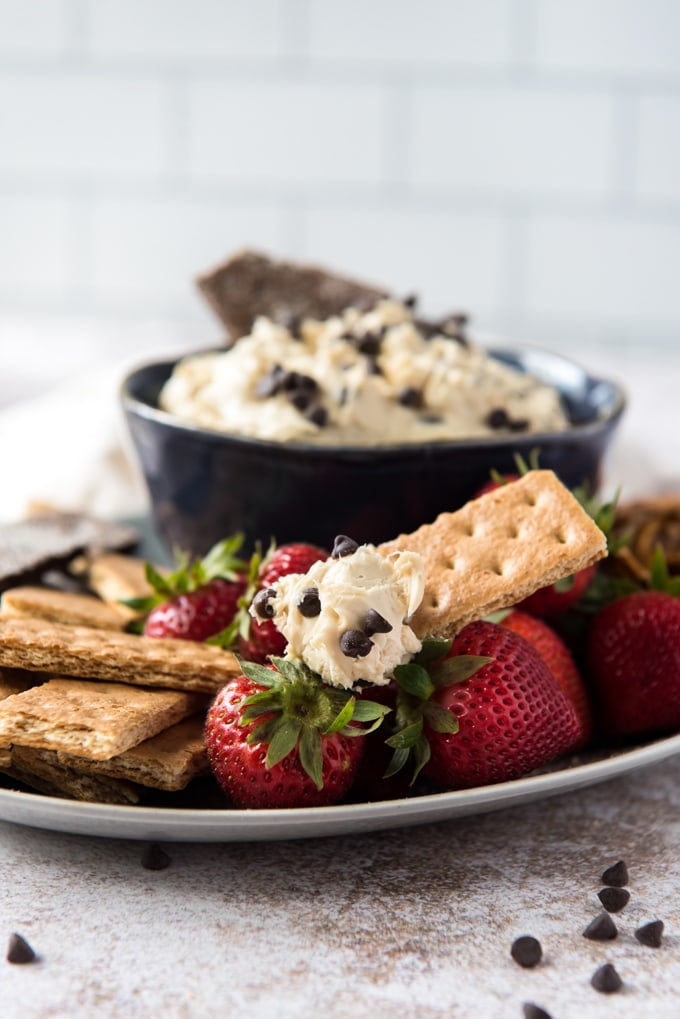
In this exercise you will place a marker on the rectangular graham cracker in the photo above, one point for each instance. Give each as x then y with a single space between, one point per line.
497 550
114 576
89 719
115 656
61 607
40 770
167 761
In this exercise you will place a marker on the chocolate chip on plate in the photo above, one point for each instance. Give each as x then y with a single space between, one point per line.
616 875
262 603
613 899
19 951
602 928
343 546
155 858
375 623
309 604
650 934
531 1011
526 951
606 980
355 644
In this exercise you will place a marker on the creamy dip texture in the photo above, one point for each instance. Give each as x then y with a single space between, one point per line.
363 378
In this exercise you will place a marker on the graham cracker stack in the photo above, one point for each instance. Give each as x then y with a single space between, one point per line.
497 550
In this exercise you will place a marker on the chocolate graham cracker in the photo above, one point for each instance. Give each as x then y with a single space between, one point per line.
61 607
251 284
497 550
91 719
114 656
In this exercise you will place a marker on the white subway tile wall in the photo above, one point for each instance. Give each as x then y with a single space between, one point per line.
516 158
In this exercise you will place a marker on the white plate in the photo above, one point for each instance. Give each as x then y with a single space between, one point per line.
187 825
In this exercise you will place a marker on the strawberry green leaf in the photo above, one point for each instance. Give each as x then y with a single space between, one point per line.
311 755
399 758
283 741
414 679
264 732
421 755
439 719
343 718
367 711
406 738
157 581
457 669
431 650
260 674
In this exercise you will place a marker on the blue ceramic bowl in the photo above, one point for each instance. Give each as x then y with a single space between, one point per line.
204 485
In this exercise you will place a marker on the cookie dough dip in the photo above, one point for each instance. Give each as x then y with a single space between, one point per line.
380 377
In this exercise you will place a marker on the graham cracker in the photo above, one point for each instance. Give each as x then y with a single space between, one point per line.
497 550
40 770
167 761
120 657
61 607
115 577
89 719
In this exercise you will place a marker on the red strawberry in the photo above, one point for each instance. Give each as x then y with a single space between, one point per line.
560 596
284 739
489 711
199 599
634 657
196 615
258 640
559 660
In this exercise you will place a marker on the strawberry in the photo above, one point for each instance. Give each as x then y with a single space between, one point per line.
560 596
258 639
198 599
633 654
279 737
560 661
488 711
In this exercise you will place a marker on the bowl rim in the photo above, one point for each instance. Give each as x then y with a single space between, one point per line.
141 408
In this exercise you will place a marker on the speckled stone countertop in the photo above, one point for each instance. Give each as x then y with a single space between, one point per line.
411 923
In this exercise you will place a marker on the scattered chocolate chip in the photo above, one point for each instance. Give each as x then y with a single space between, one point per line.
650 934
271 383
155 858
526 951
602 928
19 951
616 875
262 602
355 644
606 980
317 414
613 899
531 1011
497 418
409 396
309 604
343 546
375 623
410 301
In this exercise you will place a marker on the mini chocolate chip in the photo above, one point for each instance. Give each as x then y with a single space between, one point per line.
606 980
410 301
369 343
343 546
453 327
409 396
518 424
355 644
155 858
271 383
650 934
526 951
309 604
427 329
297 381
317 414
301 399
602 928
19 951
375 623
613 899
532 1011
497 418
262 603
616 875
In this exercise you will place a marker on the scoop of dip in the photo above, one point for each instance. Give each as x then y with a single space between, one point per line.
374 378
347 617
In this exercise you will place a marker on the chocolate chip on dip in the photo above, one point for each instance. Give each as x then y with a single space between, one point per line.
309 604
355 644
343 546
